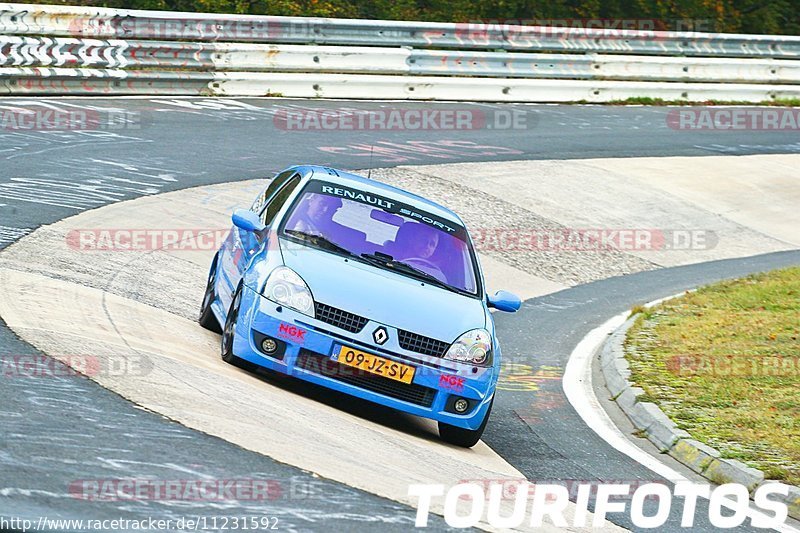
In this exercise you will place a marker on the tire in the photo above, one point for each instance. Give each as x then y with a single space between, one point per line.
229 333
466 438
207 318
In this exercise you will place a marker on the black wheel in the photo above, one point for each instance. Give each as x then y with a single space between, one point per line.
466 438
229 332
207 318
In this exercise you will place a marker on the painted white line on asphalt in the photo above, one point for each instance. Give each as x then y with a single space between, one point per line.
577 383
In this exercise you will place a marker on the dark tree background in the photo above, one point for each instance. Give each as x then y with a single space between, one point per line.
729 16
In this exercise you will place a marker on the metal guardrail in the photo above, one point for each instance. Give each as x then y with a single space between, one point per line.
118 53
47 49
100 82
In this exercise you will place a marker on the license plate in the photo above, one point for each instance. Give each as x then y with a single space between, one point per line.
374 364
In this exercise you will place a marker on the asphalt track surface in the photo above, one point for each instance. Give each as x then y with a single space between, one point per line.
60 430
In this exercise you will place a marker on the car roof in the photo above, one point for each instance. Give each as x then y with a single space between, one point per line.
341 177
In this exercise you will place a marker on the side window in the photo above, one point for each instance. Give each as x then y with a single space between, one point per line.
277 202
274 185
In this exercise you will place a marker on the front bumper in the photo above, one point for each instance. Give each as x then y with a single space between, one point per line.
306 351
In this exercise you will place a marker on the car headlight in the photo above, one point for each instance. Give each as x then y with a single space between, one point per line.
473 347
284 286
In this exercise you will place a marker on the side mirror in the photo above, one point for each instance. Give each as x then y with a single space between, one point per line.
505 301
247 220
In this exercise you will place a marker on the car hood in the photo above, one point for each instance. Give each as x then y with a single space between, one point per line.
384 296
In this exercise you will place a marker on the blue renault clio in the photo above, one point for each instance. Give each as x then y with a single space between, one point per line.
363 288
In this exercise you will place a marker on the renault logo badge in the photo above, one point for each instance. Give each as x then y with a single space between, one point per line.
380 335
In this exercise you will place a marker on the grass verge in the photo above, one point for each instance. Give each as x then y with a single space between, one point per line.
645 100
724 364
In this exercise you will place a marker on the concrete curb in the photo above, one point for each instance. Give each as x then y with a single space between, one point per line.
648 418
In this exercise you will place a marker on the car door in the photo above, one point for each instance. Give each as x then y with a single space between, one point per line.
241 245
268 217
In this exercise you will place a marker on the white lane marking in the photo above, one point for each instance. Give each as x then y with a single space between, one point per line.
54 103
222 104
577 384
10 234
17 109
111 181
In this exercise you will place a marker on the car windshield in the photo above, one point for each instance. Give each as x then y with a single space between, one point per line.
385 232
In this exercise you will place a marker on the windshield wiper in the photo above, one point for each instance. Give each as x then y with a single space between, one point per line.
319 241
391 263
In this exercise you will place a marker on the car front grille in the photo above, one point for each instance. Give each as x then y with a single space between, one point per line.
341 319
414 342
325 366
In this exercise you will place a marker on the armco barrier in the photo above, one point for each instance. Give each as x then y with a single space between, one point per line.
66 81
53 81
137 54
86 50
